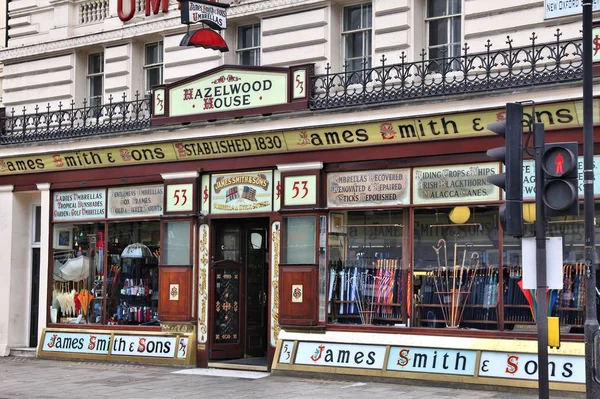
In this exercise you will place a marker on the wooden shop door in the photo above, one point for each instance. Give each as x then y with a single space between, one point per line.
239 285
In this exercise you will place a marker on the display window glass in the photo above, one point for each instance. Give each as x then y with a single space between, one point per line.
567 303
455 275
299 233
366 271
106 273
177 243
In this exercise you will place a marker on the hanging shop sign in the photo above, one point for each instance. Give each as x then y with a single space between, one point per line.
455 184
242 192
529 177
368 188
564 8
78 205
207 12
135 201
432 360
524 366
231 91
58 343
396 132
341 355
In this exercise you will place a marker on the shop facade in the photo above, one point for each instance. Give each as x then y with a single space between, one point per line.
368 248
301 219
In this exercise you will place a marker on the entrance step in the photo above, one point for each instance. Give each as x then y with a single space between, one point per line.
23 352
239 364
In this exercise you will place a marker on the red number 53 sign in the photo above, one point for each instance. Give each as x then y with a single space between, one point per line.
180 197
300 190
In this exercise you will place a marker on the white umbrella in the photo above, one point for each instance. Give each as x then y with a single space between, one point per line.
58 277
136 250
76 269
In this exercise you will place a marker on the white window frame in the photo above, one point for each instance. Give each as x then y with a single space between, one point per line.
90 76
367 33
156 65
454 38
255 48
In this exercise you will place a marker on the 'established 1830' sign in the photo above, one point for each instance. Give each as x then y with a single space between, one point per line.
231 91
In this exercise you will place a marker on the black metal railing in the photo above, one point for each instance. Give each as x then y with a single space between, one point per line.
67 122
512 67
535 64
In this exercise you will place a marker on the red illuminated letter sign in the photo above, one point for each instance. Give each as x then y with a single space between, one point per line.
122 16
151 5
155 4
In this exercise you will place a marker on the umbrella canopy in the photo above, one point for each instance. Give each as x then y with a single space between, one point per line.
205 38
58 277
136 250
75 269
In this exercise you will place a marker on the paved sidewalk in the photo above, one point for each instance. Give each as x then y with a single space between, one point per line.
39 378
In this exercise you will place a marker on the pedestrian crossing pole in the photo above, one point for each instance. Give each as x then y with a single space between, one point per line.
591 317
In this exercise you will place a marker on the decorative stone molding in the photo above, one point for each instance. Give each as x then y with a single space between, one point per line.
162 26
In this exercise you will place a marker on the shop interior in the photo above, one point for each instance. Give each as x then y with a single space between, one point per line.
106 273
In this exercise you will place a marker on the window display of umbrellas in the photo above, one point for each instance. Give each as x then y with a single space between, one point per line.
453 284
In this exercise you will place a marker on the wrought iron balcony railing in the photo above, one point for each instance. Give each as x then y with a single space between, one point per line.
536 64
70 122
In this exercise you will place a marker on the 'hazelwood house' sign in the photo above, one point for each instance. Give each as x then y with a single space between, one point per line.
229 91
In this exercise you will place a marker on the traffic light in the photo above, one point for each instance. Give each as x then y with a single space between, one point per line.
511 181
561 195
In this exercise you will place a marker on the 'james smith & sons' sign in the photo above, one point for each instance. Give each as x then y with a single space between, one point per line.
232 91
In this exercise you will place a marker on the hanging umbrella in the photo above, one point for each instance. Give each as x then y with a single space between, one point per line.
57 274
76 269
205 38
136 250
100 256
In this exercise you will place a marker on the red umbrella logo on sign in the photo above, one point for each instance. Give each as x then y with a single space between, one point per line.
205 38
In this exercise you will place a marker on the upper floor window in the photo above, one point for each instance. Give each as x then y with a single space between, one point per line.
153 65
443 28
95 78
356 35
248 45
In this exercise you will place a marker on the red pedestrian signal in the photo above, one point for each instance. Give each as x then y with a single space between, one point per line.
559 163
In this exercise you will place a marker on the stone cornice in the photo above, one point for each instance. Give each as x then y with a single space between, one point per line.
168 23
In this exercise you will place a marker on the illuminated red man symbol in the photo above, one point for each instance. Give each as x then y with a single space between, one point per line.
559 162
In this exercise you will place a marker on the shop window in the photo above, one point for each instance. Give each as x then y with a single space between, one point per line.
366 278
153 65
299 235
567 304
356 36
177 243
106 279
455 275
77 273
443 23
248 45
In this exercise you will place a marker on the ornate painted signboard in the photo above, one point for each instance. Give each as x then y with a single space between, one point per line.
364 189
232 91
242 192
117 346
210 13
455 184
79 205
